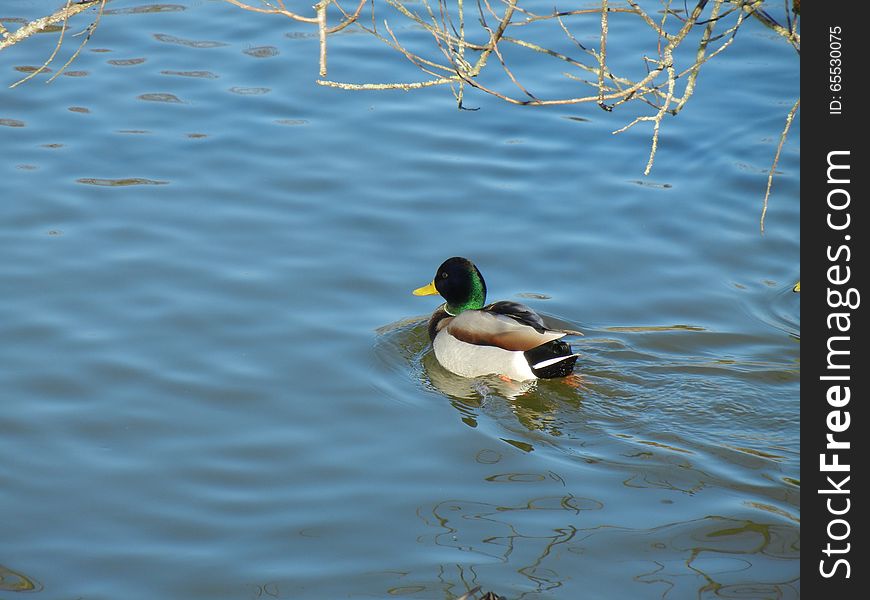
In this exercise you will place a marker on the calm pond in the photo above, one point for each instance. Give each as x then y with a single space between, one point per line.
216 383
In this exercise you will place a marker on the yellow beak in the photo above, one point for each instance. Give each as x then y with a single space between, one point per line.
426 290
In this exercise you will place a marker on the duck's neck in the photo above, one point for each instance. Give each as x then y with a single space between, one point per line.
476 298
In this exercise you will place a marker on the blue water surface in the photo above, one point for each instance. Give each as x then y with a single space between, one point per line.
216 384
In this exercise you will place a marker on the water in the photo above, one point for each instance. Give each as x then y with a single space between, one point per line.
216 383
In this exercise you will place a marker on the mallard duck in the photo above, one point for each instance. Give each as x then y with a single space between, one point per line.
505 338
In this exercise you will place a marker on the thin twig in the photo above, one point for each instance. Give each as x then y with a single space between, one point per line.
50 58
788 120
25 31
89 32
602 55
657 120
272 10
700 55
414 85
349 18
647 19
321 30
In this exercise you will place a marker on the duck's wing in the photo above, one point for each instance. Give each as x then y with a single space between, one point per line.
507 325
519 312
527 316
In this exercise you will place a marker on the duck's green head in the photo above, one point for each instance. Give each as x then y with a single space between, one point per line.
459 283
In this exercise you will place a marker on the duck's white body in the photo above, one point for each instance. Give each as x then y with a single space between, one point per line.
470 360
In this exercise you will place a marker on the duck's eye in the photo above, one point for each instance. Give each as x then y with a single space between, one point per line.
443 275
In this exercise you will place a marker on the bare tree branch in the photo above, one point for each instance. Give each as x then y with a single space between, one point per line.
62 14
461 49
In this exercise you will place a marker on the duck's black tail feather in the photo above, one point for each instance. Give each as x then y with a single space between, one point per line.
553 359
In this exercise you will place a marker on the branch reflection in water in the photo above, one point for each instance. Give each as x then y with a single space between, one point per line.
715 556
621 462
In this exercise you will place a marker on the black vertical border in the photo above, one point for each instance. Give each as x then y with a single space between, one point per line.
824 130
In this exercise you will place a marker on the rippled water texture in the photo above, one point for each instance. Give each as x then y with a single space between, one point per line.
216 383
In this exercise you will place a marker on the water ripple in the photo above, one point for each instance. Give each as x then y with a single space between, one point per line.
197 370
171 39
262 51
195 74
161 97
15 581
146 9
126 62
250 91
124 182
